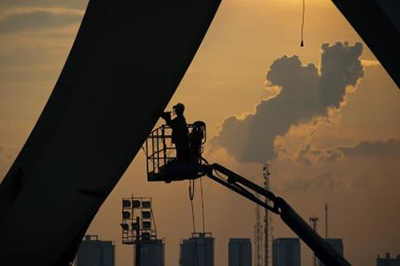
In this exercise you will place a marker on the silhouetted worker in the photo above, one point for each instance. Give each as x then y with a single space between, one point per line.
179 132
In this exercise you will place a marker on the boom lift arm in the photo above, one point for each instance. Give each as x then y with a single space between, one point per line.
163 165
279 206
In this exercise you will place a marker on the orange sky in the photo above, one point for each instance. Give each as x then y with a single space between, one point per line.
227 78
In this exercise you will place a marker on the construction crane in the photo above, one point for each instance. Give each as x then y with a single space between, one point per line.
162 165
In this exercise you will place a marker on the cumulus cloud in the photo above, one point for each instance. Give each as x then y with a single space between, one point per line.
307 155
379 149
302 157
334 156
370 63
367 148
306 93
18 19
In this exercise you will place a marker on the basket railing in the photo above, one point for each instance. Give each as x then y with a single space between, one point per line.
159 148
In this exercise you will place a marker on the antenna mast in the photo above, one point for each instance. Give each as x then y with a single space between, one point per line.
314 221
267 237
258 236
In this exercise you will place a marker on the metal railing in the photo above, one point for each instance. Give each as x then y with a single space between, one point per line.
159 148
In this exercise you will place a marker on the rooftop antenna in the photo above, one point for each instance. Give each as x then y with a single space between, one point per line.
266 174
258 236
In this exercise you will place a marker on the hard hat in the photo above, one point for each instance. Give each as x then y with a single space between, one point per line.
179 107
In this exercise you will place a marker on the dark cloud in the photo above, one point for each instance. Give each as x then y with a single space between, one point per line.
379 149
372 149
327 181
334 156
324 181
305 94
80 4
38 19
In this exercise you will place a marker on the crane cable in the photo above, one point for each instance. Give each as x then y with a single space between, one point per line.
302 24
191 197
202 204
204 223
203 212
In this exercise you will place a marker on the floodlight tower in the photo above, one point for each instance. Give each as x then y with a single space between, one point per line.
138 225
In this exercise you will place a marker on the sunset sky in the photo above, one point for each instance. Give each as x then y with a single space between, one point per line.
260 94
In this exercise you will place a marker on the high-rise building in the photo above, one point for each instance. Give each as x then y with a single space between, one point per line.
152 252
336 244
240 252
286 252
388 261
94 252
197 250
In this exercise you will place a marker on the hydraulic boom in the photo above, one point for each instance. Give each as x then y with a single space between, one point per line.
163 165
247 189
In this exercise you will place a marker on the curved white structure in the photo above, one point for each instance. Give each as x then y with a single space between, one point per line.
126 63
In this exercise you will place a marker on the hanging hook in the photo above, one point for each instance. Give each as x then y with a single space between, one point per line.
302 23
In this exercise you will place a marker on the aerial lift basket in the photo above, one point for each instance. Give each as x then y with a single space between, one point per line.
161 159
